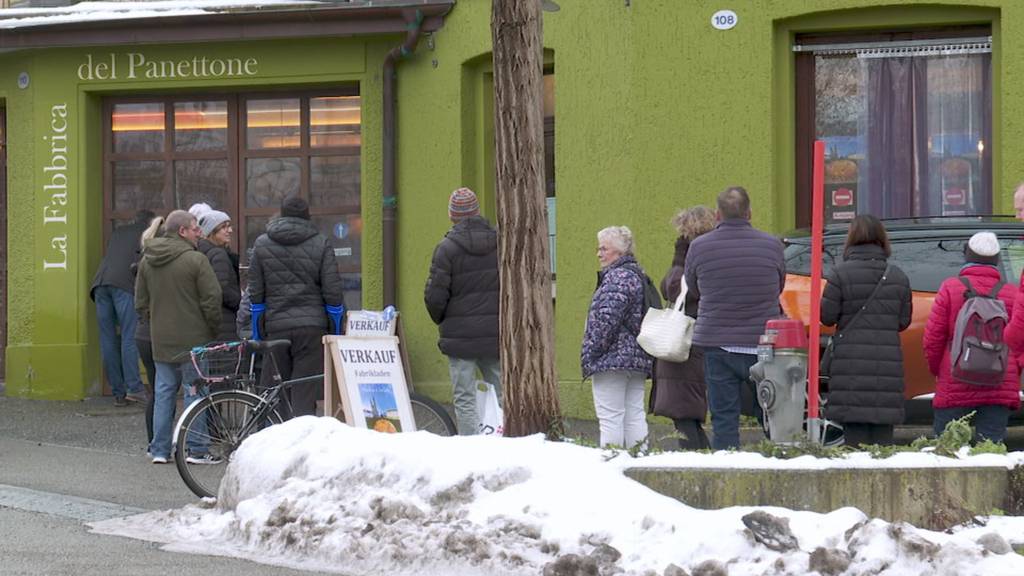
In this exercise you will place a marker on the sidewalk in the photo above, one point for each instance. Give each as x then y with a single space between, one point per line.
91 423
96 424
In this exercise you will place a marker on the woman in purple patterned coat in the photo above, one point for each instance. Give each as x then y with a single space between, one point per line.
610 355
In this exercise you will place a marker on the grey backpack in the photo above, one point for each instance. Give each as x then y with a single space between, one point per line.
979 354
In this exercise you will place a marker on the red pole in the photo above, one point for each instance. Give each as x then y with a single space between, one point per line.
817 239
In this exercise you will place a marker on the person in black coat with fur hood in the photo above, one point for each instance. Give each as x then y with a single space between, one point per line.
869 302
679 391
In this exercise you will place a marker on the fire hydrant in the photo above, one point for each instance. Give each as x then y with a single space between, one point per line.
780 375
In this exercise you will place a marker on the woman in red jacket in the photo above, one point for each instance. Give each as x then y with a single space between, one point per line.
954 398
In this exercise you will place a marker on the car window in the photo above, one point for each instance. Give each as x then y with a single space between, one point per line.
1012 259
928 262
798 259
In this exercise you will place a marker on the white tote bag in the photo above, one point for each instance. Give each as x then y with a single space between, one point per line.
492 418
666 334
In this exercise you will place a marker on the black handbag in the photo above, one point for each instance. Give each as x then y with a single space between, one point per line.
829 340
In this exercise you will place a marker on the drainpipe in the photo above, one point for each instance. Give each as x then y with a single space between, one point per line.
414 26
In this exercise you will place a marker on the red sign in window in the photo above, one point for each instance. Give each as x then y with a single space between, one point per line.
955 196
842 197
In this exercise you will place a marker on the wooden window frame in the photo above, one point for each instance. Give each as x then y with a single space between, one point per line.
236 154
303 151
804 89
168 155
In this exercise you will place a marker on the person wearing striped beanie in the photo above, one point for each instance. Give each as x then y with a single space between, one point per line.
463 204
461 296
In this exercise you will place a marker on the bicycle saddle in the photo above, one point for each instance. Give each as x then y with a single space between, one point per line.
266 345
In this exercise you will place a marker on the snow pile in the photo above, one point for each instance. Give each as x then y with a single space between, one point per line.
95 11
314 493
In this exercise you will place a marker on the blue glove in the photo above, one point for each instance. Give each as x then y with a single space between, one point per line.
335 313
257 313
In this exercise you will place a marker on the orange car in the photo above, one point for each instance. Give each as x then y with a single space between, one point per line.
928 250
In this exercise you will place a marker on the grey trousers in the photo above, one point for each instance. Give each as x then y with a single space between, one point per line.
463 373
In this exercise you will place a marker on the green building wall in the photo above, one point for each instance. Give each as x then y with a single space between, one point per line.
55 240
655 110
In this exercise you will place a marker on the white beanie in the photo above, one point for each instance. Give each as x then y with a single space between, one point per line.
198 209
984 244
209 221
983 248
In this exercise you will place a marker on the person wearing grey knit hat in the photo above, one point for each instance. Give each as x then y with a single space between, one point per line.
211 221
216 246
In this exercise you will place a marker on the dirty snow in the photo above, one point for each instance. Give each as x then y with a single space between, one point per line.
314 493
93 11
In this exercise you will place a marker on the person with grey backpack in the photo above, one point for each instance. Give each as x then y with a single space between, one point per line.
868 299
966 344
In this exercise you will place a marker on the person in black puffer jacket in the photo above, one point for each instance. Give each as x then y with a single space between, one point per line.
294 274
462 299
866 376
216 246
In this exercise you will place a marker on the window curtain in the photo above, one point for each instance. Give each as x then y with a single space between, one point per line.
926 127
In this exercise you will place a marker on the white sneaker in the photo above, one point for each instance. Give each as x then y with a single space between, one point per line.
159 460
203 459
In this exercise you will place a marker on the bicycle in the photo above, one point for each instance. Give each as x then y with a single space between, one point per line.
235 408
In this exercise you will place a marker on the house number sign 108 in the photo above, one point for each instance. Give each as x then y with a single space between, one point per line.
724 19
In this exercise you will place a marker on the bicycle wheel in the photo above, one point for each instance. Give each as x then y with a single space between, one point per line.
210 432
431 416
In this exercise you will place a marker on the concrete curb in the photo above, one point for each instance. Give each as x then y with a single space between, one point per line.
933 498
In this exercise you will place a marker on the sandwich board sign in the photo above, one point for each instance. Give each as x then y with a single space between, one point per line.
366 373
368 380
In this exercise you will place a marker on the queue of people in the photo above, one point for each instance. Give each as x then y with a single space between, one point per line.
166 285
735 275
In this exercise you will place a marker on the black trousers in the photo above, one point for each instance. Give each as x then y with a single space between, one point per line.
146 353
859 434
693 430
305 357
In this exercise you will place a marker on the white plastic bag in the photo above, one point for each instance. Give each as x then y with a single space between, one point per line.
667 334
492 417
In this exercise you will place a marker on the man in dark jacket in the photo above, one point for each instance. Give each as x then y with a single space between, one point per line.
462 298
737 273
293 273
112 290
178 292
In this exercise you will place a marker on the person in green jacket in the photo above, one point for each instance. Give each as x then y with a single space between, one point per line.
177 291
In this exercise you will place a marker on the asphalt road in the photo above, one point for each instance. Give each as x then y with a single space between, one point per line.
63 464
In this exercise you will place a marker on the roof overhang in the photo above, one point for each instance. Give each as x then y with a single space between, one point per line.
354 18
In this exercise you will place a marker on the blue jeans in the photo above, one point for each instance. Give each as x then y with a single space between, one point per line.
726 373
463 373
115 307
989 422
169 377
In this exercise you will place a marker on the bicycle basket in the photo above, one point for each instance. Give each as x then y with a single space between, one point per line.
218 362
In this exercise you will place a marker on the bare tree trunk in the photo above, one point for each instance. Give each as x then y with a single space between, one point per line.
527 326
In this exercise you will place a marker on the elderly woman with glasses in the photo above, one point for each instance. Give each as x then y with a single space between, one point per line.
611 356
